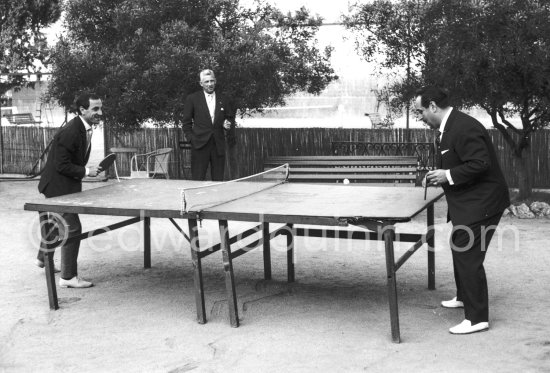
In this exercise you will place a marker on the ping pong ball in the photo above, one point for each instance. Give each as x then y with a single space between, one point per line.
346 181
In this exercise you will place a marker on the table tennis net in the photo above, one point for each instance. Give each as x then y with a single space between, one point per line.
195 199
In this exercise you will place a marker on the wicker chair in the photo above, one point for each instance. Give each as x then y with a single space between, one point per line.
151 165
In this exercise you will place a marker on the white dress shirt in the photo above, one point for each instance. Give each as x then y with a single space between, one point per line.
211 102
442 130
89 133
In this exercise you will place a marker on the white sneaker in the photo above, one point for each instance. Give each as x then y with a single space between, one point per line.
466 327
75 282
453 303
40 264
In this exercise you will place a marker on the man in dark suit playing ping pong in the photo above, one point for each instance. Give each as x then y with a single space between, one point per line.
63 174
207 119
476 193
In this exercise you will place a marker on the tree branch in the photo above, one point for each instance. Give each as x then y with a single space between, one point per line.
502 129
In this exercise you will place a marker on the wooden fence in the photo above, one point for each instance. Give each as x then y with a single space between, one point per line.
23 145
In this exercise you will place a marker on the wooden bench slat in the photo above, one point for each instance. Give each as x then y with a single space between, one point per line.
340 162
357 169
350 177
351 170
339 157
23 118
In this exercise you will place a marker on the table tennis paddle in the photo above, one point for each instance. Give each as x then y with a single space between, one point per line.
107 162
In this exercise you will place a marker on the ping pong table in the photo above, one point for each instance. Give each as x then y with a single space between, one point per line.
292 206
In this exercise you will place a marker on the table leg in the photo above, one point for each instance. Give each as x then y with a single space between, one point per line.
389 237
147 242
267 251
290 252
229 276
197 270
48 260
431 250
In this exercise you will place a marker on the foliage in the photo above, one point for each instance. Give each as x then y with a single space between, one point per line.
391 32
23 45
144 56
495 55
394 106
491 54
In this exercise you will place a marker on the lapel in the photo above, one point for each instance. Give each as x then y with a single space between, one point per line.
218 107
451 123
443 144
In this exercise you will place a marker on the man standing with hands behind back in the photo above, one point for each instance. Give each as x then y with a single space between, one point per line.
207 116
476 193
63 174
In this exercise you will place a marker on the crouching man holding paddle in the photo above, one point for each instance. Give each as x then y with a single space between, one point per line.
63 174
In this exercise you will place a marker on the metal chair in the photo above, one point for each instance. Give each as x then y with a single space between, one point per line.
123 155
150 165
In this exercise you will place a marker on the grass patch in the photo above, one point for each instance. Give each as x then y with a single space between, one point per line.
537 196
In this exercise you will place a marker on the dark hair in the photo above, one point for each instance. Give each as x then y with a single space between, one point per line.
84 100
433 93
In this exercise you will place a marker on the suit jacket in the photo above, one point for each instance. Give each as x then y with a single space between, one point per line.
65 166
480 190
197 123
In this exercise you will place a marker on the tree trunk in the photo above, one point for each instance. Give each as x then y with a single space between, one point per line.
525 176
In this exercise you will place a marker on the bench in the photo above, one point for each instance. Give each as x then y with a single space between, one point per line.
377 121
423 151
397 170
23 118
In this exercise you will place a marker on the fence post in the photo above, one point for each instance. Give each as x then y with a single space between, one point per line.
1 142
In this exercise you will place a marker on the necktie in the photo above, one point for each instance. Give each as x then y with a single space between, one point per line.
89 134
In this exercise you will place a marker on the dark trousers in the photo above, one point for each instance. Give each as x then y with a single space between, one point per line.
62 226
207 155
468 246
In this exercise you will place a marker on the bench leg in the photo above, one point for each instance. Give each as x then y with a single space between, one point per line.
197 270
389 237
229 276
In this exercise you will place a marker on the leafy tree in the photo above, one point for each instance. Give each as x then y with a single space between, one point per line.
144 56
23 45
390 32
491 54
494 54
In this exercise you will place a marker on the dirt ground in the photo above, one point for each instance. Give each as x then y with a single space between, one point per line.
334 318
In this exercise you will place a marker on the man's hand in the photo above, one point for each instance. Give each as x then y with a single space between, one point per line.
94 171
436 177
226 124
